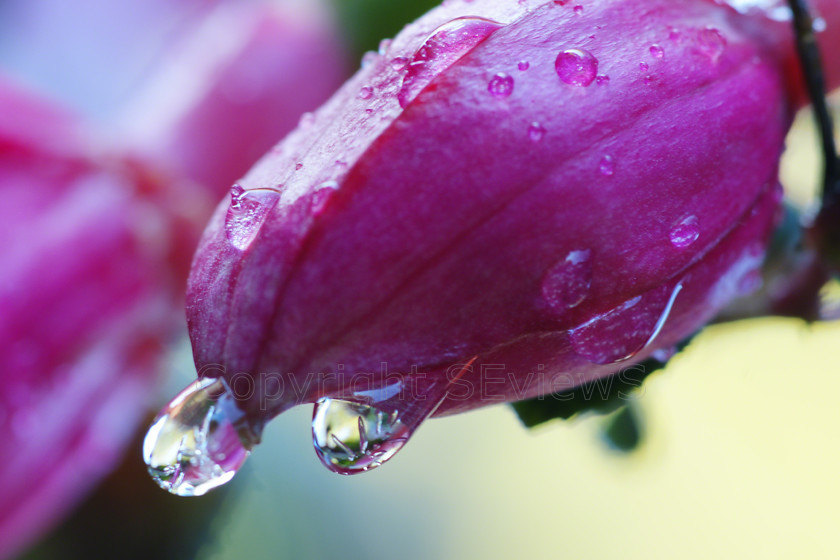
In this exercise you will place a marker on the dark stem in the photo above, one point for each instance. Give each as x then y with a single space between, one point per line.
825 230
809 55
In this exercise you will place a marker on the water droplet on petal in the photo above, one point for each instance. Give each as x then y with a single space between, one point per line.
399 63
298 166
624 331
561 2
441 49
369 58
656 51
536 132
198 441
643 66
366 92
607 166
384 45
501 85
359 434
306 120
566 284
523 65
675 35
685 233
711 43
578 10
576 67
602 80
246 214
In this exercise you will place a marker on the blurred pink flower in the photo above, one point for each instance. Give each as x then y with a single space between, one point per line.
240 80
98 229
513 198
86 305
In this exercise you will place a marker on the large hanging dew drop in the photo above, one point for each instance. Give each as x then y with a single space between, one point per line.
442 49
198 441
353 436
350 437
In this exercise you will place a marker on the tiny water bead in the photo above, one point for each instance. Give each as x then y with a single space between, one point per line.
536 131
656 51
602 80
501 85
369 58
566 284
578 10
446 44
366 92
576 67
384 45
644 67
607 166
685 233
247 213
523 65
711 43
399 62
198 441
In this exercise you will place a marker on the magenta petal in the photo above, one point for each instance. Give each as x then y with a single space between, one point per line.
424 230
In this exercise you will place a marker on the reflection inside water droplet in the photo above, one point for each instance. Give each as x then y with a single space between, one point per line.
198 441
358 434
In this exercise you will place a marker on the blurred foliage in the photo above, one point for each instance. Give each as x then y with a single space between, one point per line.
366 22
622 430
601 396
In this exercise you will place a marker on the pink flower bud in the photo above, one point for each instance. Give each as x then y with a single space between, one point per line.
85 304
513 199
